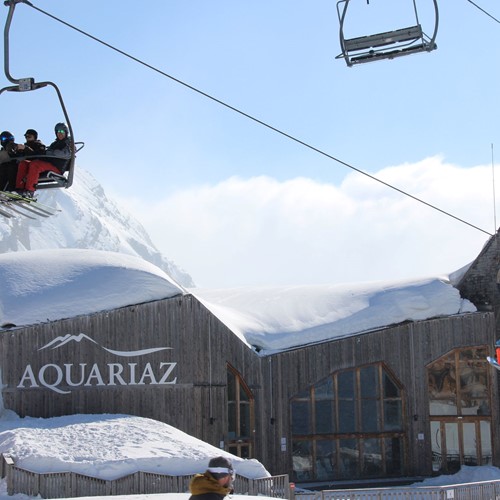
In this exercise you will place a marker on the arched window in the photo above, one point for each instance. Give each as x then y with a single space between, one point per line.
349 425
240 415
460 409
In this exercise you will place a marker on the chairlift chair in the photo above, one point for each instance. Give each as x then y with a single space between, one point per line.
51 179
387 45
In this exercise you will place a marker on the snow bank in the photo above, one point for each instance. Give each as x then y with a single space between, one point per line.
109 447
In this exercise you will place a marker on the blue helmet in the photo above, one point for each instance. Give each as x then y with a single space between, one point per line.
6 137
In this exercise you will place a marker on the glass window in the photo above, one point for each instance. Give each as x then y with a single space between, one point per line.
437 447
231 386
370 415
459 383
326 460
239 415
372 458
353 423
301 418
243 394
460 409
324 417
245 425
369 382
302 460
231 419
348 458
393 418
452 447
347 416
345 381
324 390
442 387
391 390
473 383
486 451
470 448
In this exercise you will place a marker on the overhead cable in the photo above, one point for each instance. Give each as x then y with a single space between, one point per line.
250 117
482 10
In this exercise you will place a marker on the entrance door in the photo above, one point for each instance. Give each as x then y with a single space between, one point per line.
460 442
460 409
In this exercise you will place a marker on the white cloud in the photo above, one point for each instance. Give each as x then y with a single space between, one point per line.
261 231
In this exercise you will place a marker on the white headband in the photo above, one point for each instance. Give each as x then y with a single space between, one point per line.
220 470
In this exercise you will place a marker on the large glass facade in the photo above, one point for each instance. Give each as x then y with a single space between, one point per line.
460 409
349 425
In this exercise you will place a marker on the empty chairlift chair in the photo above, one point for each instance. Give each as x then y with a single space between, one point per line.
386 45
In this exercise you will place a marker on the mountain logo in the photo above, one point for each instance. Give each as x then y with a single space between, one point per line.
60 341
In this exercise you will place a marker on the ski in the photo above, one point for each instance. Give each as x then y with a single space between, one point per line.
24 206
11 205
5 213
21 205
32 208
493 362
46 209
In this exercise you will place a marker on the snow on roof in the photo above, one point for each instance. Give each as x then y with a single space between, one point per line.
273 319
47 285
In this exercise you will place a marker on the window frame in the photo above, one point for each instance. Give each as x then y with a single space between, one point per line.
379 436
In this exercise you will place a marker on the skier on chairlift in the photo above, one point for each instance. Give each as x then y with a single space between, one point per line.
57 156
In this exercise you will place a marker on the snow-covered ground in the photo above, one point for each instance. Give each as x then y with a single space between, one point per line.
108 447
112 446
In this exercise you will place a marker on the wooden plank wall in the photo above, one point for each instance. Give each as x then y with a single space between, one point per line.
406 349
200 345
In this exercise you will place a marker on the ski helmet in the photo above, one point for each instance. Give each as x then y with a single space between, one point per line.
32 132
61 126
220 467
6 137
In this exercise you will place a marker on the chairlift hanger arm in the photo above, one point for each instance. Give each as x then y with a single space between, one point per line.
29 84
12 5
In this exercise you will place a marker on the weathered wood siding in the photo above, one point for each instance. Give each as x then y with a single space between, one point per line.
199 345
405 349
193 397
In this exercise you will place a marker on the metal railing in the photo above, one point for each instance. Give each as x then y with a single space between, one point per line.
484 490
71 484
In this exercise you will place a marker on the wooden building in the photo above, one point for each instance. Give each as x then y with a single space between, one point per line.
413 399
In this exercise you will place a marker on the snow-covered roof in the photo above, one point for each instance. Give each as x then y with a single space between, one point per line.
47 285
273 319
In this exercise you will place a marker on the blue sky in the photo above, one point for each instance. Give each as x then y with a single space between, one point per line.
180 162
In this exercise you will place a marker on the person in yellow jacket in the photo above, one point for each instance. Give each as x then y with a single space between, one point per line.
215 483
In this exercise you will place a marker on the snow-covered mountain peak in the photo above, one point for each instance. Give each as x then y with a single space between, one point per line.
88 220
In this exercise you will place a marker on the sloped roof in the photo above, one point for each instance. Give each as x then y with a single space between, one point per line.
48 285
